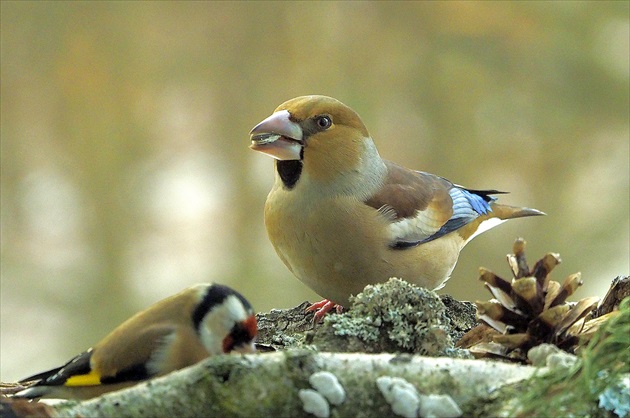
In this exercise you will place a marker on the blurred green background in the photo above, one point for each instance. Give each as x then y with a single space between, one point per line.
126 174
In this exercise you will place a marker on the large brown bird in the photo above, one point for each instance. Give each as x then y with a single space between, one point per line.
340 217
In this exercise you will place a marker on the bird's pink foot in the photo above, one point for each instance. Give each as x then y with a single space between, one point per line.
321 308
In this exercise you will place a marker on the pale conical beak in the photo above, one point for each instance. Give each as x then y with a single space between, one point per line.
246 348
278 137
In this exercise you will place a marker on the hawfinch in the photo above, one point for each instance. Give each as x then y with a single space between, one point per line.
340 217
201 321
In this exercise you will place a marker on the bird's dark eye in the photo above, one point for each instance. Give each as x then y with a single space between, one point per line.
324 122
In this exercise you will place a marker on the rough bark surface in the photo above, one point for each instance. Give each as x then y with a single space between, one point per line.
269 385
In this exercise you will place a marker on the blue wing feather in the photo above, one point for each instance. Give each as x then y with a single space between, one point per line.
468 205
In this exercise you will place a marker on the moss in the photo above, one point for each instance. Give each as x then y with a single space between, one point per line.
462 316
391 317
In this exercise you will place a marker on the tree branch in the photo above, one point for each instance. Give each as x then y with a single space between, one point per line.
270 384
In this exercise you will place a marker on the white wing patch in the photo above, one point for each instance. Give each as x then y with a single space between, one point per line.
160 355
417 228
425 224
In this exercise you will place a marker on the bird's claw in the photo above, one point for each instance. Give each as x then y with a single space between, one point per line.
322 307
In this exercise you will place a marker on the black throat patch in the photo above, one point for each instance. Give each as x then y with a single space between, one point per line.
289 171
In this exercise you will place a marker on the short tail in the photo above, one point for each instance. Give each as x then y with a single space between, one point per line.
510 212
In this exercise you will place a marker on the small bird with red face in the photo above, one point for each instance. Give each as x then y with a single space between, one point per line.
340 217
201 321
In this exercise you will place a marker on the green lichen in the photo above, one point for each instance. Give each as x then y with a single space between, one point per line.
390 317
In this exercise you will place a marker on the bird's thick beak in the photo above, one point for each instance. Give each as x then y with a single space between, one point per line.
278 137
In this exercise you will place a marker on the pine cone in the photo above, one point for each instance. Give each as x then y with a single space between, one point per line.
529 310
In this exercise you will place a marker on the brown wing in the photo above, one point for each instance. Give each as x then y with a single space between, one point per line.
134 342
419 204
423 207
127 359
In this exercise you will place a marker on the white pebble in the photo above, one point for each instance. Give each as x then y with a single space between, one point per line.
538 355
561 360
401 395
438 406
327 384
551 356
314 403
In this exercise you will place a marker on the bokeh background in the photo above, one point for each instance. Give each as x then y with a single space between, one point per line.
126 174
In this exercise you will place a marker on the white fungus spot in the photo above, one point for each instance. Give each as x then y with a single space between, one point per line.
401 395
538 355
551 356
314 403
561 360
327 384
438 406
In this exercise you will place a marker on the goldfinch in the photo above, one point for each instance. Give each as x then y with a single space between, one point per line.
340 217
201 321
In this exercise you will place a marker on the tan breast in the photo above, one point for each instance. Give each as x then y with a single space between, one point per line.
340 245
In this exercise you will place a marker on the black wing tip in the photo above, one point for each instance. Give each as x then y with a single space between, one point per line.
55 377
487 195
33 392
40 376
481 191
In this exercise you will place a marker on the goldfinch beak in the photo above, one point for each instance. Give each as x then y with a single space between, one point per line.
248 348
278 137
